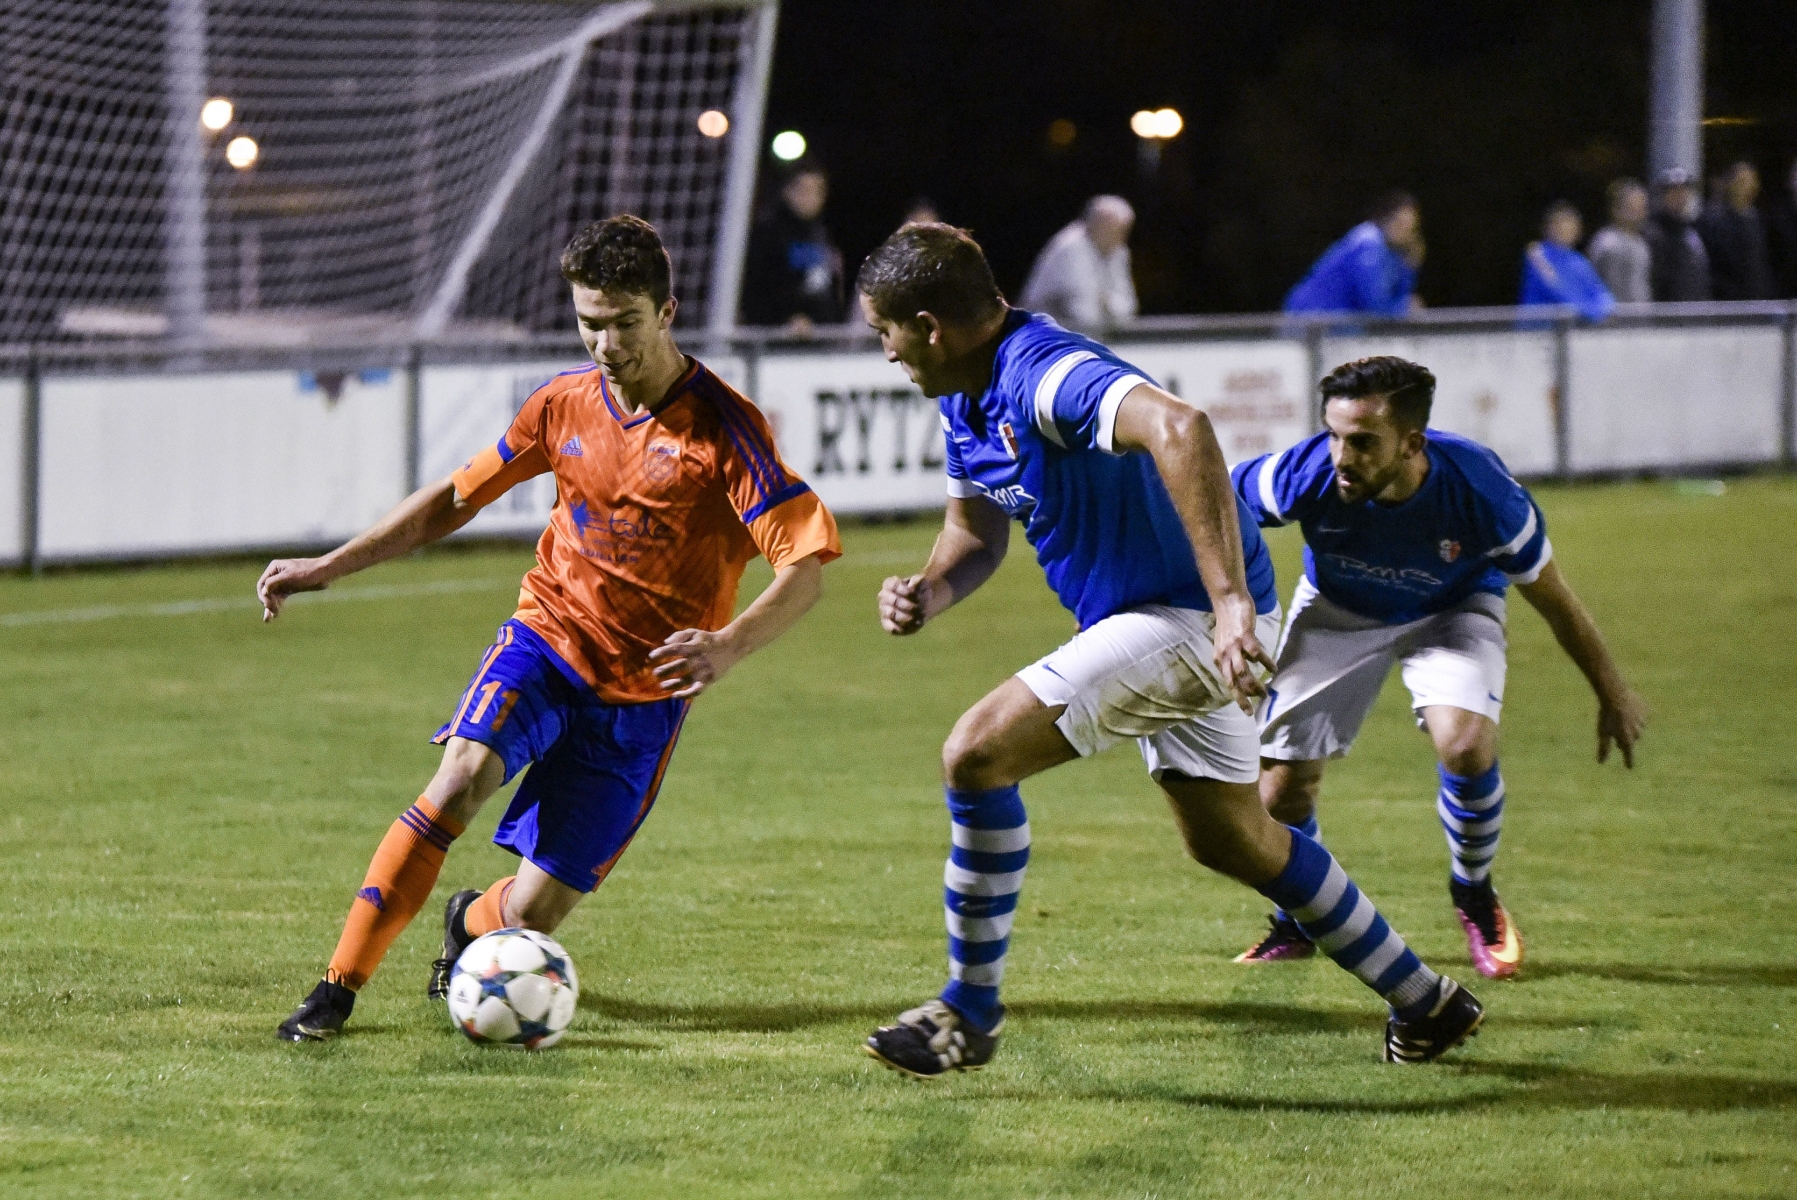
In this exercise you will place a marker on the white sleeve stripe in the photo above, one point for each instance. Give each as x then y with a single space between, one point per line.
1269 502
962 489
1106 435
1520 540
1534 572
946 427
1050 385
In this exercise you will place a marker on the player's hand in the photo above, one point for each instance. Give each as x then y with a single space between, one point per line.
691 661
283 578
1238 650
904 604
1620 719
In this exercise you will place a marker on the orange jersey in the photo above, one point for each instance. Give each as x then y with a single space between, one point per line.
655 517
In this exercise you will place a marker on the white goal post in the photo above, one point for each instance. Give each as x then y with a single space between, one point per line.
260 172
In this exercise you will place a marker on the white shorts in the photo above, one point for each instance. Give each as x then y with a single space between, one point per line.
1332 664
1149 673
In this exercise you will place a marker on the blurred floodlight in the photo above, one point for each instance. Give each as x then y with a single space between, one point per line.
1158 125
216 113
788 145
713 124
241 152
1061 132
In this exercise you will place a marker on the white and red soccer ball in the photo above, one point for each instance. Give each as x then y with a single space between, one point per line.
513 987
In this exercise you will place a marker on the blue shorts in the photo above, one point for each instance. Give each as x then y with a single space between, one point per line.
594 767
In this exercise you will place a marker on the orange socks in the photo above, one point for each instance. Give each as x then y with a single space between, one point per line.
488 913
398 882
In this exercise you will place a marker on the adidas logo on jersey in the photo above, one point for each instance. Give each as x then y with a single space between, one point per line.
572 448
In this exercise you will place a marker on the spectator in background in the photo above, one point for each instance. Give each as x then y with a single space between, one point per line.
793 277
1372 268
1781 235
1736 240
1680 265
1619 252
1082 276
1553 272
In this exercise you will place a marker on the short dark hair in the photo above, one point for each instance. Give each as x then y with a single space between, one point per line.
1407 387
620 254
934 268
1389 205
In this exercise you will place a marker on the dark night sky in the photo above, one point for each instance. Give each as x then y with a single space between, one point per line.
1297 113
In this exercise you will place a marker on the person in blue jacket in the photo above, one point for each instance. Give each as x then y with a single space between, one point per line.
1372 269
1555 273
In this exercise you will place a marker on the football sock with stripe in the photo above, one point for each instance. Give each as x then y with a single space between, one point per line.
399 881
1472 815
1310 828
991 835
1334 914
488 913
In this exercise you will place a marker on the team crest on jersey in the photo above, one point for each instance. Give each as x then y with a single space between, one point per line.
1449 550
1010 436
662 462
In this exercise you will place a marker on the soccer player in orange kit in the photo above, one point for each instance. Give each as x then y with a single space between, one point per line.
667 485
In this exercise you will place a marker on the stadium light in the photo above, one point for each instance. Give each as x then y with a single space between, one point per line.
242 152
217 113
1157 125
788 145
713 124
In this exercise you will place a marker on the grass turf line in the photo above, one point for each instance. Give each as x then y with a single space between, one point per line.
190 800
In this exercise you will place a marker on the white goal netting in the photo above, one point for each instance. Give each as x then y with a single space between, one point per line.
384 168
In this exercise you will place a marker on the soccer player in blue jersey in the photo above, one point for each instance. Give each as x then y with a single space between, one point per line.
1123 492
1411 537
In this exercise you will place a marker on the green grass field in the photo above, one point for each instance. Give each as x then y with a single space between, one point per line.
189 800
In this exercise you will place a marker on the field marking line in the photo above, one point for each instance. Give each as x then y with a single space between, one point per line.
392 591
182 608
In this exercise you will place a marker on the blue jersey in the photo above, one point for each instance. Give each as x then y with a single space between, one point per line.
1038 444
1561 275
1359 273
1470 528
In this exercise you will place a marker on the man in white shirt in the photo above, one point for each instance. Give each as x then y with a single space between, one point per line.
1081 278
1619 251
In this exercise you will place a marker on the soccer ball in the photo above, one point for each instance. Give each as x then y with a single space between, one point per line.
513 987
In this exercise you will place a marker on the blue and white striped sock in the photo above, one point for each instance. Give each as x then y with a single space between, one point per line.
1312 830
1338 918
980 886
1472 815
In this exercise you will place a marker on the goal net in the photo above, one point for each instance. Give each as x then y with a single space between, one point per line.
265 171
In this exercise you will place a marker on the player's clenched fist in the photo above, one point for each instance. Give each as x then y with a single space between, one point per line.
283 578
904 604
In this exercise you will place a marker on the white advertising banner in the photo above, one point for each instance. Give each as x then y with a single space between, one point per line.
462 409
1646 398
153 464
856 428
1254 392
1496 387
12 470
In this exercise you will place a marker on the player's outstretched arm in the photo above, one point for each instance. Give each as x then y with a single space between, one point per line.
1621 714
975 534
1190 462
693 659
433 511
